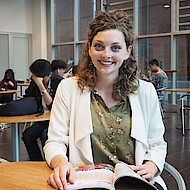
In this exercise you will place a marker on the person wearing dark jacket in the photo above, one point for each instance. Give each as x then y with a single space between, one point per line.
8 83
59 67
43 87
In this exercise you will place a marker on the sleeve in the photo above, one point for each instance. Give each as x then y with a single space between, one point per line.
155 131
1 84
53 90
59 125
15 85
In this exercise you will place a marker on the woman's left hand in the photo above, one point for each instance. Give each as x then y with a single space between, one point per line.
147 170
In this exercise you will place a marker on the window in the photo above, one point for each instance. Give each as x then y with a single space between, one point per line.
183 15
183 61
64 19
154 17
154 48
70 24
162 28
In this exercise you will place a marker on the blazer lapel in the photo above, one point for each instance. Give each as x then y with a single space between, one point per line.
84 126
138 124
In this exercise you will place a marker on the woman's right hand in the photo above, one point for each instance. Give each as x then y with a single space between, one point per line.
61 175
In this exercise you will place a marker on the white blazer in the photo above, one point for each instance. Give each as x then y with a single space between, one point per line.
71 125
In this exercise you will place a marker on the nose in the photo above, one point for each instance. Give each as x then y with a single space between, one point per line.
106 53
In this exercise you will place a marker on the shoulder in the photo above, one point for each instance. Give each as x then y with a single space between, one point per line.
144 84
146 87
56 78
161 73
69 84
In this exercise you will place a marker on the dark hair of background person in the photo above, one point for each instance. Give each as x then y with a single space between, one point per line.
56 64
9 75
74 70
127 81
41 68
154 62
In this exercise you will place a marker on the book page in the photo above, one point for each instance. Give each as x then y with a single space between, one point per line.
126 177
97 176
121 169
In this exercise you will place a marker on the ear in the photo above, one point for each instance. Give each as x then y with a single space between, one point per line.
128 53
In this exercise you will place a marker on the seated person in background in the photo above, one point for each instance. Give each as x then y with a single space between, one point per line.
43 87
74 70
8 83
59 67
160 80
71 72
104 114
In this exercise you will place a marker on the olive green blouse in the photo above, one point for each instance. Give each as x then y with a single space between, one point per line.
111 141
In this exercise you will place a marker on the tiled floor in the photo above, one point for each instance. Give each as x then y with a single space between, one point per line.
178 148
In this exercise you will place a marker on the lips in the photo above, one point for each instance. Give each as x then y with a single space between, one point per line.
106 63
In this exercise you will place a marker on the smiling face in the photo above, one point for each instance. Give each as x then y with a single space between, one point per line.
108 51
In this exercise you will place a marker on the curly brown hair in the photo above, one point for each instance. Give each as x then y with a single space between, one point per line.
127 81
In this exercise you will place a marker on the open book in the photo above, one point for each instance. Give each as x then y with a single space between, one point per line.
105 176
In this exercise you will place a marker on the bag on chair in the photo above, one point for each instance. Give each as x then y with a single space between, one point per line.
22 106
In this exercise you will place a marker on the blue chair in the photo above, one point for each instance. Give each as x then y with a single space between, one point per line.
161 97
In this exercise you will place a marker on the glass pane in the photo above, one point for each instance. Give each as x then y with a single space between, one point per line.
4 54
86 16
123 5
20 57
154 48
98 6
64 21
81 46
183 61
65 53
153 17
184 15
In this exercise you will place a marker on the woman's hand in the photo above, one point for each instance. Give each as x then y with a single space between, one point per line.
61 175
147 170
10 83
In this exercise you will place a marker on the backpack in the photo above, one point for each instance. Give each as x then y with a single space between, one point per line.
23 106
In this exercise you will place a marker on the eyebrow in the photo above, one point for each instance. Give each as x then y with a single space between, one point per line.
115 43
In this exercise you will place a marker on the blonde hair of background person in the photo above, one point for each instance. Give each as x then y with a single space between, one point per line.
107 67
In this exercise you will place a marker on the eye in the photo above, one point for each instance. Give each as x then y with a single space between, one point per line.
116 48
98 47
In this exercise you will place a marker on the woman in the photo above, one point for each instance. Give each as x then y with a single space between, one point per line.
8 83
106 114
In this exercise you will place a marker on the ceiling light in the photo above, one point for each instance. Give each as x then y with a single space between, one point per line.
166 6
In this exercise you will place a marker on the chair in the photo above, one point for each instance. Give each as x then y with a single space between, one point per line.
161 97
183 108
176 175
